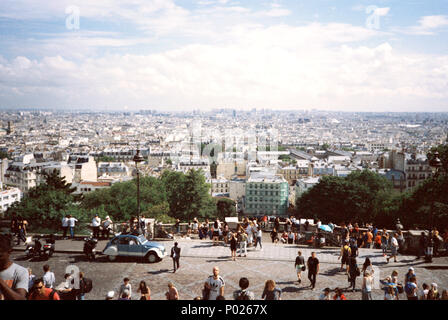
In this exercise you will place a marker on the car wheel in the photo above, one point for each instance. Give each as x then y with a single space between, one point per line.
112 258
152 257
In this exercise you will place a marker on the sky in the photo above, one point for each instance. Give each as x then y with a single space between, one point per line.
376 55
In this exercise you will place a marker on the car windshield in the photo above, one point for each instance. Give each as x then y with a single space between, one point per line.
142 239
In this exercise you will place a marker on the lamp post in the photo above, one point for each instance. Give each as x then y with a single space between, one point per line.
435 163
137 159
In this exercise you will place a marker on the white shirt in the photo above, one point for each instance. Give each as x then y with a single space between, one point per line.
49 279
65 222
394 242
71 222
96 222
215 285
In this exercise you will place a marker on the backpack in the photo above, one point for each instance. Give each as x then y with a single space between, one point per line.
88 286
346 251
243 296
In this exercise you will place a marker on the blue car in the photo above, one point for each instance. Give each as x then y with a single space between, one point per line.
128 245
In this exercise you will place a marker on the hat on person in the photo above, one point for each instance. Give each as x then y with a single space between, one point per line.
434 285
110 294
107 217
411 269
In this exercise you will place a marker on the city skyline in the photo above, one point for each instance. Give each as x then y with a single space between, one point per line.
353 56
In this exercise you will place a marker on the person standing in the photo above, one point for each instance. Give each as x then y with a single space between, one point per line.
353 272
14 279
177 226
233 243
300 266
313 269
144 291
215 284
274 236
96 222
271 292
40 292
367 284
175 255
49 278
31 279
411 289
71 224
107 227
242 239
64 227
172 293
384 242
22 225
243 293
125 286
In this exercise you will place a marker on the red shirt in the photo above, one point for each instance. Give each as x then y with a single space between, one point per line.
45 296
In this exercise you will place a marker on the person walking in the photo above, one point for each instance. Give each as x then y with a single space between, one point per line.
299 266
259 237
393 248
233 243
215 285
344 254
22 225
313 269
367 285
71 224
175 255
270 291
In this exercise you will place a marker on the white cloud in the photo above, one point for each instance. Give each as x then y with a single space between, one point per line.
263 67
427 25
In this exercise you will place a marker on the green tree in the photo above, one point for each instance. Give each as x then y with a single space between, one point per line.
225 208
361 197
46 204
120 200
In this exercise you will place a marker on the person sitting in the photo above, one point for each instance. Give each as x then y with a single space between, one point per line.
284 237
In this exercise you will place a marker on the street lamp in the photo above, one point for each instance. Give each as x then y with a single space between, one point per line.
137 159
435 163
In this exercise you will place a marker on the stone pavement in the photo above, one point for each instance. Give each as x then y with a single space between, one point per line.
198 258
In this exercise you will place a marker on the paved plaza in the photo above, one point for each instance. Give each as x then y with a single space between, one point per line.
199 257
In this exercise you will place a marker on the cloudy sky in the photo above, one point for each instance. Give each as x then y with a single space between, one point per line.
374 55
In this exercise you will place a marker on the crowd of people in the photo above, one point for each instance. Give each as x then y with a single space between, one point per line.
17 282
